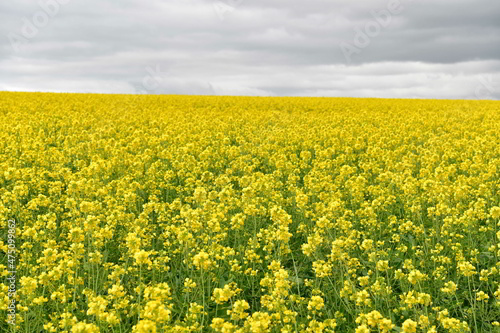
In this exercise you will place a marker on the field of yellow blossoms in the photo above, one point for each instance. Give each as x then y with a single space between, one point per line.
165 214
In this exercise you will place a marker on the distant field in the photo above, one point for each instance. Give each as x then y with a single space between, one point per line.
248 215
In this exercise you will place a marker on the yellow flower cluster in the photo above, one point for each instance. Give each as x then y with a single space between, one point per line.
250 215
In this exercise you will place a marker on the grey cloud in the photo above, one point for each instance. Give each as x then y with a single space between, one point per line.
432 49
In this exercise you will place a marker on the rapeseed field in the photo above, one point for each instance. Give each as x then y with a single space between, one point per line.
156 214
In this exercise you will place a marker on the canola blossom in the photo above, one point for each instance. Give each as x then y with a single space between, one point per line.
152 214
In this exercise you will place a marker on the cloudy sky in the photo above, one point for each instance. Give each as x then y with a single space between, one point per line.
375 48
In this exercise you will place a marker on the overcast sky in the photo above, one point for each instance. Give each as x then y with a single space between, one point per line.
375 48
